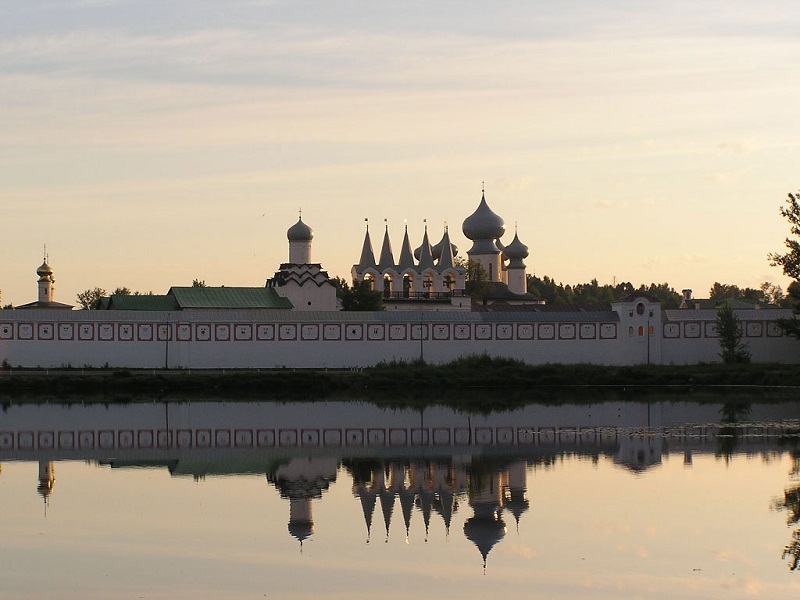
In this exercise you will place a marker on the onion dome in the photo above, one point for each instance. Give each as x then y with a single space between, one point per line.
300 232
44 270
436 250
516 250
483 224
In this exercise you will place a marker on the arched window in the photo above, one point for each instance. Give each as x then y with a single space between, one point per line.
387 285
427 285
641 330
408 283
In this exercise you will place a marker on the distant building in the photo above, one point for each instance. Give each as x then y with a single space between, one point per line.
297 285
430 276
46 286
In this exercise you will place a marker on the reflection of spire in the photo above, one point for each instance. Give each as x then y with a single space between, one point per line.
407 505
425 501
368 499
47 479
387 507
446 506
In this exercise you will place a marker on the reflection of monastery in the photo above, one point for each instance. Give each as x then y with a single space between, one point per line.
293 320
415 473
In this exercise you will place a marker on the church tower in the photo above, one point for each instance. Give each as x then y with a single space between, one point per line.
46 282
300 236
483 227
515 252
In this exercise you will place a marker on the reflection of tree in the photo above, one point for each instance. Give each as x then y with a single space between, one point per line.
791 503
733 413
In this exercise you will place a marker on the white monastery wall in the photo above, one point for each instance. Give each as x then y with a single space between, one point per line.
690 336
270 339
274 339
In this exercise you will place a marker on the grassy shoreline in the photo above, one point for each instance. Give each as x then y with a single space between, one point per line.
470 381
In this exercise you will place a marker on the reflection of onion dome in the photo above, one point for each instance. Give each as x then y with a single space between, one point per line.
44 270
485 529
300 232
517 505
301 530
483 224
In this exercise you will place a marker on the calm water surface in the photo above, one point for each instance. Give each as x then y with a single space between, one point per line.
346 500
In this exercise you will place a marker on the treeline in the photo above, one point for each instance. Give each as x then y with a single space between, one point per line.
594 294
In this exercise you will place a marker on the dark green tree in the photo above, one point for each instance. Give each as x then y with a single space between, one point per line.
359 296
729 330
199 283
789 262
90 299
478 284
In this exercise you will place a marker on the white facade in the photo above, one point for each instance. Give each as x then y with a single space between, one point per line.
634 332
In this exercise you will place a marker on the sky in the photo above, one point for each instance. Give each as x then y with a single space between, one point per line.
150 143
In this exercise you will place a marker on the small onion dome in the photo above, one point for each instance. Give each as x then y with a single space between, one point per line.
483 224
516 250
300 232
44 270
436 250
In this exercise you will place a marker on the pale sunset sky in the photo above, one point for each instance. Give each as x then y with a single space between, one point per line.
149 143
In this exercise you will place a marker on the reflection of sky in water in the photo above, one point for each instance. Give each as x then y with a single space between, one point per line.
593 526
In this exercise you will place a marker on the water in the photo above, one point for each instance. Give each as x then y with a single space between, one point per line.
329 500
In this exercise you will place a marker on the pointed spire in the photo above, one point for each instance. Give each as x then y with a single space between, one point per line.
387 258
367 255
425 254
446 260
406 255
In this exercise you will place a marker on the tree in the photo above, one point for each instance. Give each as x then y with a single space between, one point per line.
790 260
772 294
477 279
724 291
122 291
729 330
199 283
359 296
90 299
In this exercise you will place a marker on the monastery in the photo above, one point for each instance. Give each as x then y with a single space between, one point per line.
295 321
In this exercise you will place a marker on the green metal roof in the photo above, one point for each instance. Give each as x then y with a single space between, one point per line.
228 297
735 303
141 302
